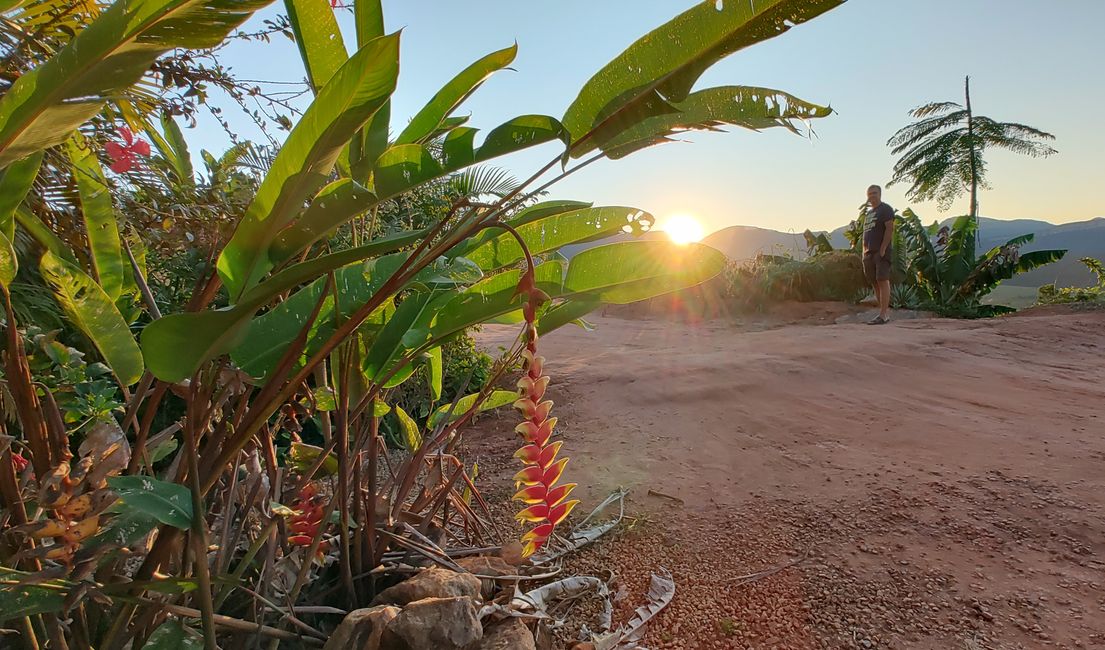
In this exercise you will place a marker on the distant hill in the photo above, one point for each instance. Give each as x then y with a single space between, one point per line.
1080 239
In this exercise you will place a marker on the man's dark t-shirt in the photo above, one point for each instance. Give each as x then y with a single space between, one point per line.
874 226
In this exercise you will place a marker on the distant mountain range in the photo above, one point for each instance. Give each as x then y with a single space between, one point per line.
1080 239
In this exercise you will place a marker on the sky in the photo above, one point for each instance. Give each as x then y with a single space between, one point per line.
1031 61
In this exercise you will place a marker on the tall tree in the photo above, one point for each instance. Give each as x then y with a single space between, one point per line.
944 150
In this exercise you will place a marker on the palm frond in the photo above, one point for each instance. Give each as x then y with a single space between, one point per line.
934 108
484 180
910 135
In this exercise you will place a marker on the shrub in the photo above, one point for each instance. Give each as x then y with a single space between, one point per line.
1049 294
836 275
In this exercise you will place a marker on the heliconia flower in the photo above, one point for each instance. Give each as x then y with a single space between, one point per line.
307 520
124 155
546 504
20 462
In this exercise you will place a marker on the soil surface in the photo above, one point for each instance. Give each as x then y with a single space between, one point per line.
942 482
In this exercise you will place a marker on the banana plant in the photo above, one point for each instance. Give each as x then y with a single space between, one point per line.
951 277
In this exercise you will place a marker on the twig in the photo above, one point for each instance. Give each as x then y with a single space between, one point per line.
760 575
657 493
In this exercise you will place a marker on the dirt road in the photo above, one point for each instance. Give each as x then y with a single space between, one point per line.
946 478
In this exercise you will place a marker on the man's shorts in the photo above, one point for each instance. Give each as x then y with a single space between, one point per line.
876 268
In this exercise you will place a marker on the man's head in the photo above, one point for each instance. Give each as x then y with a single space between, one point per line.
874 196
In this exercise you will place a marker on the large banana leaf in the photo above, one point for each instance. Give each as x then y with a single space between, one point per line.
99 216
95 315
662 67
308 156
630 271
453 94
15 183
48 102
554 231
744 106
403 167
319 39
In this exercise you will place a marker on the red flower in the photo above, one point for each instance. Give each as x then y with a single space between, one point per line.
20 462
546 502
125 155
307 520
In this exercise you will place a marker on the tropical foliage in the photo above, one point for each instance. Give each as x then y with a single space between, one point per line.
129 514
950 277
1049 294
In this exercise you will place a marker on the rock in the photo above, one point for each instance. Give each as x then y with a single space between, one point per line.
485 565
511 634
434 624
431 583
361 629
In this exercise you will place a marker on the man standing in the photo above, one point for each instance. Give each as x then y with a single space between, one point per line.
878 233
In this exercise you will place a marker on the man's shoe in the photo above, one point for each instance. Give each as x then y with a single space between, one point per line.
878 320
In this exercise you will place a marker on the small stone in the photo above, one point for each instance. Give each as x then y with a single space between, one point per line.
431 583
361 629
434 624
511 634
485 565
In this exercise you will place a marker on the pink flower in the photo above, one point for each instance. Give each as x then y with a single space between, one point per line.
125 155
20 462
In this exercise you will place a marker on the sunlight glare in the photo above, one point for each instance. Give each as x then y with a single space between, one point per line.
683 229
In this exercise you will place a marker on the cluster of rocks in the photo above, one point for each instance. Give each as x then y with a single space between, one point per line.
436 609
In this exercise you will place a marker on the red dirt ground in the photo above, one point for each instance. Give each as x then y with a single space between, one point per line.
945 477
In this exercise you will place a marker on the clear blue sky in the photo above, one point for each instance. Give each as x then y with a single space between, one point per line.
1030 61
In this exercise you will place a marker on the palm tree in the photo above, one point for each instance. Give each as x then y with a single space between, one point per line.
944 150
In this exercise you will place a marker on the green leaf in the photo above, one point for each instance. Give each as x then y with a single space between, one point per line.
405 166
9 263
492 297
319 39
568 311
369 18
325 400
631 271
169 503
99 216
42 234
744 106
302 456
95 315
661 68
453 95
407 329
552 232
268 335
342 107
496 399
49 101
174 149
17 601
436 372
379 409
15 183
177 345
127 528
170 635
334 205
412 437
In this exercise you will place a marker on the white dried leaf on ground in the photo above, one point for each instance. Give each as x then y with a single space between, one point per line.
661 590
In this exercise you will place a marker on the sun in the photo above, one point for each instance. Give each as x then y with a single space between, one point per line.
683 229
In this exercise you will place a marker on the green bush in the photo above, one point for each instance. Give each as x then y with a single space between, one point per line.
1049 294
835 275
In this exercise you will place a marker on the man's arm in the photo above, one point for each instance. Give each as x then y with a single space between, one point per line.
887 237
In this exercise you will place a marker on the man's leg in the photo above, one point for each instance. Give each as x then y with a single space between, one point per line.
883 291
